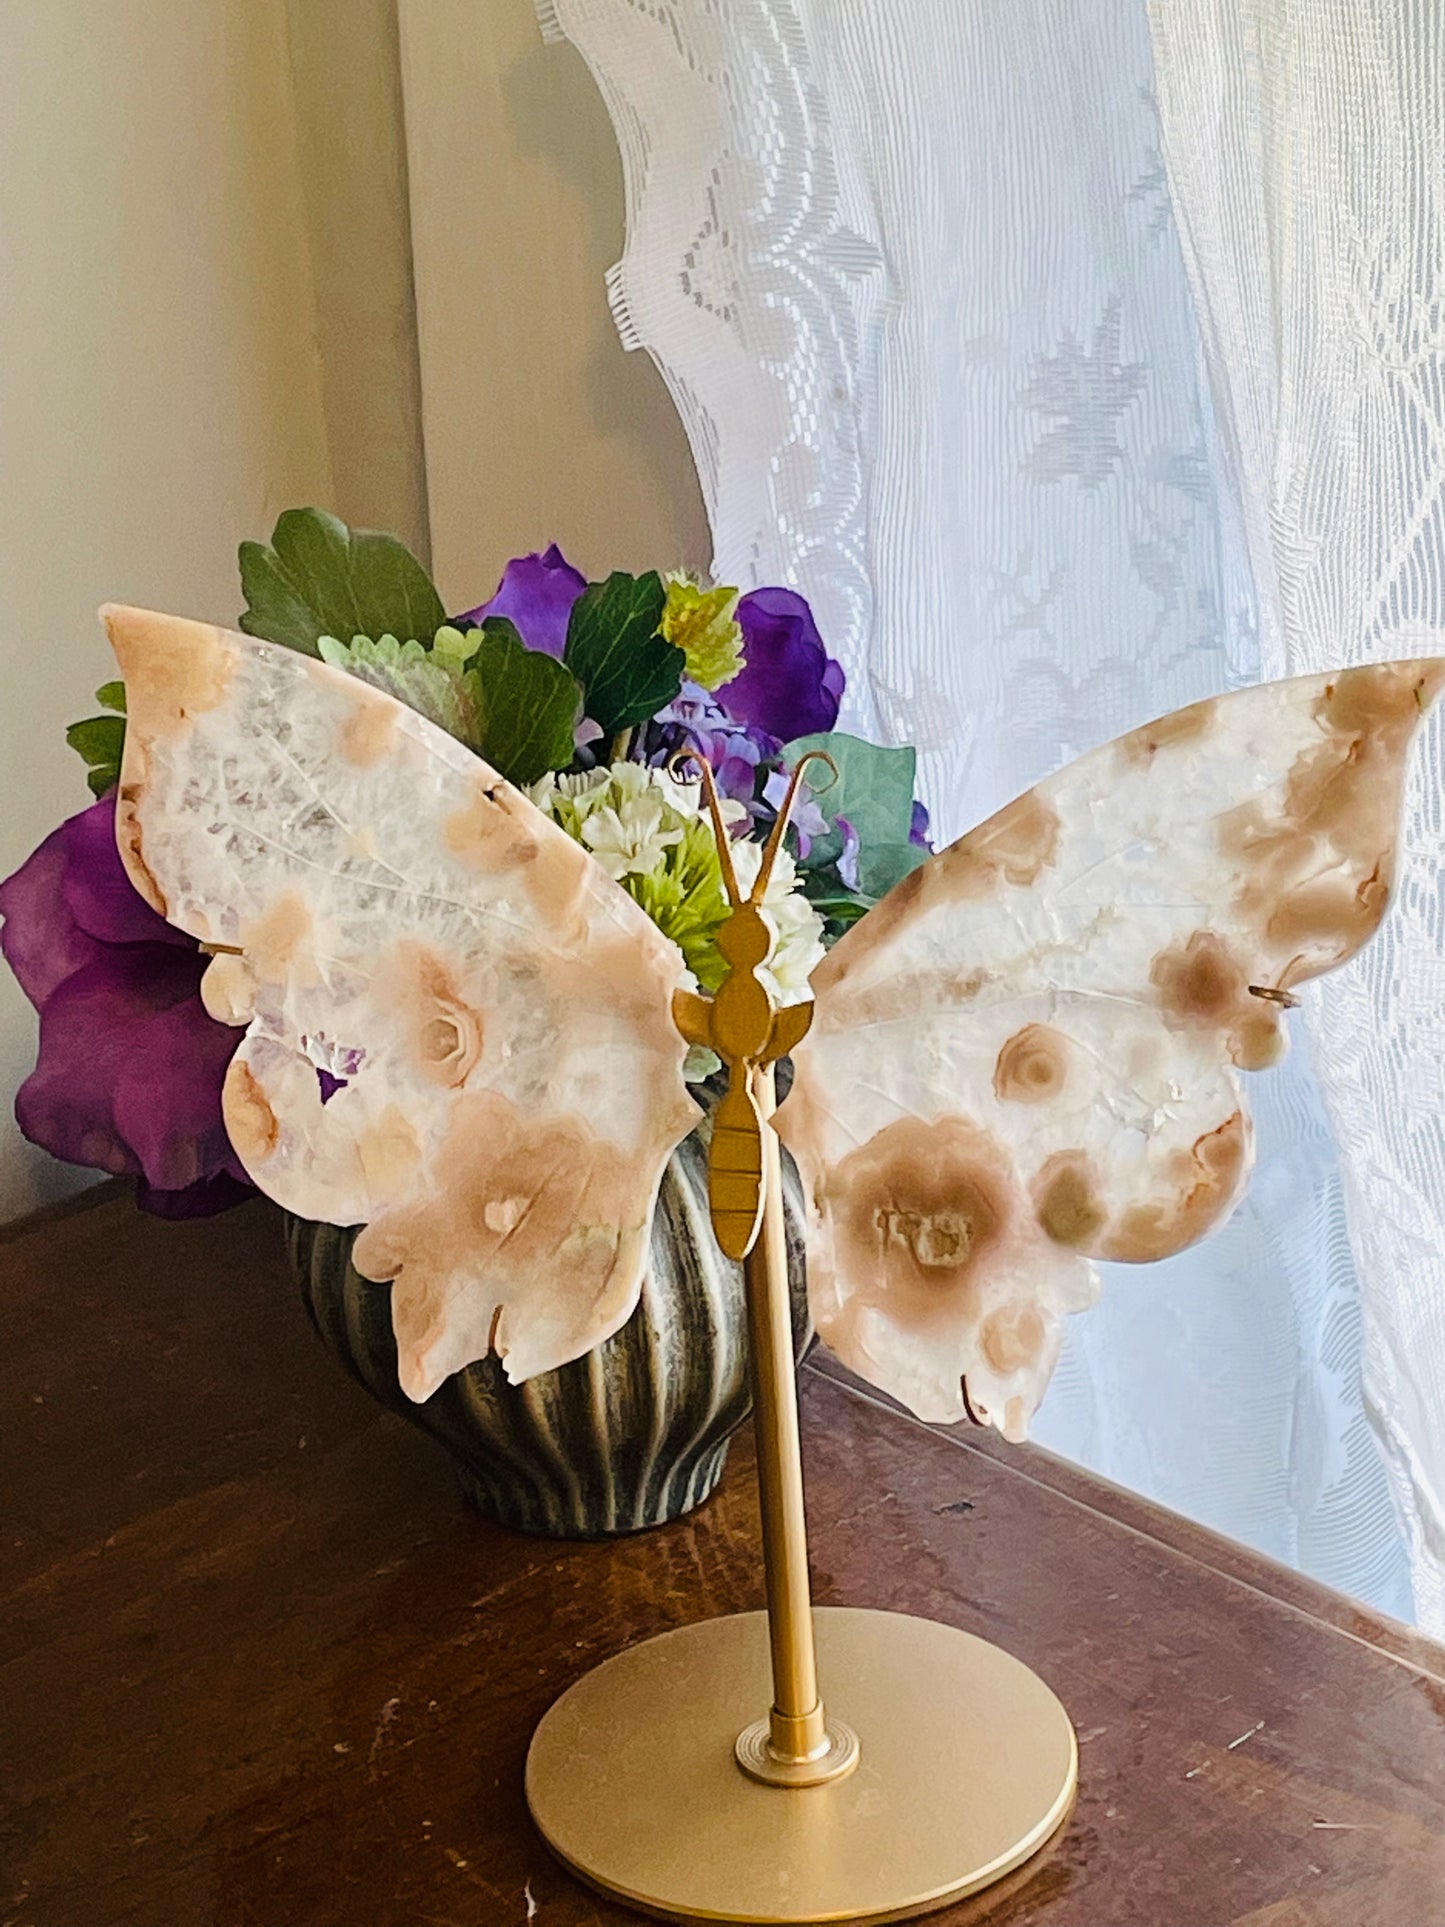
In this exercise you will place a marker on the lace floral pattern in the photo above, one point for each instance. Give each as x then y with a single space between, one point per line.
1315 229
912 275
1081 393
771 280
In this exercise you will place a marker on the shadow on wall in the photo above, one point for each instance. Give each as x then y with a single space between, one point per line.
556 115
538 425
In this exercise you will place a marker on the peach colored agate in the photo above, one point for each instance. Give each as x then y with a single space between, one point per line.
1026 1057
459 1029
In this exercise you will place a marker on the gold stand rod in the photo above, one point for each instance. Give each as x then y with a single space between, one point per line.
796 1745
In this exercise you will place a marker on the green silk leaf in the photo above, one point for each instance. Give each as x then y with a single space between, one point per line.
627 670
873 789
881 865
528 704
99 741
316 577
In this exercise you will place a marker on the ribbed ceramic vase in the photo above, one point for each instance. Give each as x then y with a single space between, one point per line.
634 1434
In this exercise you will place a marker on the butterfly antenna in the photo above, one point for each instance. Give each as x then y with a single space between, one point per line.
714 808
785 812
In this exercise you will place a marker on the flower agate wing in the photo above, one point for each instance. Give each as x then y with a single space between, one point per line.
459 1028
1026 1056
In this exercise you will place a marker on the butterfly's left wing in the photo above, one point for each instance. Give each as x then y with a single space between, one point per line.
459 1028
1026 1056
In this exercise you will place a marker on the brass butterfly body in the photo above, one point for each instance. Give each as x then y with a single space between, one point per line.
748 1034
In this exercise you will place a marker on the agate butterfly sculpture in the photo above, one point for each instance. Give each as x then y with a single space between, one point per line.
1025 1058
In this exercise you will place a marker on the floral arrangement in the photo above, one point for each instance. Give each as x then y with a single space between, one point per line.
582 693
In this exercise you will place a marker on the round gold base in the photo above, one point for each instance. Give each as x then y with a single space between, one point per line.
968 1765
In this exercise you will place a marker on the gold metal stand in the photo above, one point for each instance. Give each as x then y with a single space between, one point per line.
966 1767
955 1764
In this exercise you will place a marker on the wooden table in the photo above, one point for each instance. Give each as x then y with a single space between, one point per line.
262 1668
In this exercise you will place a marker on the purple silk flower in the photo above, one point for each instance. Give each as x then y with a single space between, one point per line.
536 593
733 750
128 1077
808 820
789 685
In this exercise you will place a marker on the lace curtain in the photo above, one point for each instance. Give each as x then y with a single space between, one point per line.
1306 149
912 273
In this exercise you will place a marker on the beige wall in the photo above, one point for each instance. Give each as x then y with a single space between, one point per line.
352 146
207 314
538 426
159 392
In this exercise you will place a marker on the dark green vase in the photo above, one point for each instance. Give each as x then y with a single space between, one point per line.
632 1435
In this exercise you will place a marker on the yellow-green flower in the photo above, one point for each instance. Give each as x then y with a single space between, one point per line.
702 624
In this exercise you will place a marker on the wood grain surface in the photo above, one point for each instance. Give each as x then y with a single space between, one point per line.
262 1668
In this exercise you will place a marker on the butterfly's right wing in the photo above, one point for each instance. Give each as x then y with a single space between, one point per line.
1026 1056
459 1027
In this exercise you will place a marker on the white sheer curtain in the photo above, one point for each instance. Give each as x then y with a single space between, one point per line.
912 272
1306 149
